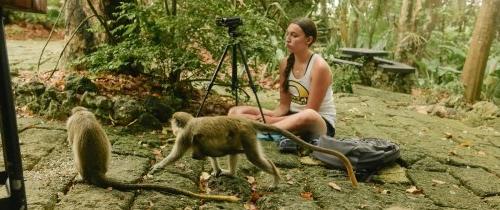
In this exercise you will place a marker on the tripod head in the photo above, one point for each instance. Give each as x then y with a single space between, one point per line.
231 23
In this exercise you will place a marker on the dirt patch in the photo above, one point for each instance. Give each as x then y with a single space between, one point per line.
24 31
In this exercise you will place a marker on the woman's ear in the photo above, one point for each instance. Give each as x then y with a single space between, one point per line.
309 40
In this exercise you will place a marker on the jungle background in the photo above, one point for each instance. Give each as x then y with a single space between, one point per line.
161 54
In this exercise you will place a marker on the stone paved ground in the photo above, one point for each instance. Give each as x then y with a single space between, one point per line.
445 164
452 166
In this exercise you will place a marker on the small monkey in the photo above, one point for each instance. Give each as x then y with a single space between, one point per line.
92 156
226 135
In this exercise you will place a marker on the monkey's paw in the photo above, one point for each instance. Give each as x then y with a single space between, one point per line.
154 169
222 172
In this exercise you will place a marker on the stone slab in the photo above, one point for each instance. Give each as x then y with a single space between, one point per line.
478 180
445 191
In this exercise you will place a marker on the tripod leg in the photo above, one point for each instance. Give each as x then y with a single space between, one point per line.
211 84
254 89
234 73
13 173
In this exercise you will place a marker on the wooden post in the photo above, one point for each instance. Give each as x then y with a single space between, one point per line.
479 50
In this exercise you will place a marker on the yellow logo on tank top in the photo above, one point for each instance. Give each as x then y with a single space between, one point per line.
300 90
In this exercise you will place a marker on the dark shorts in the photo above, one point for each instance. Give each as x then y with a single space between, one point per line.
330 130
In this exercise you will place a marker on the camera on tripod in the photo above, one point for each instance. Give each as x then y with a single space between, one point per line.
230 22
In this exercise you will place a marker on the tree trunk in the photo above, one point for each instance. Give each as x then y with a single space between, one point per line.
344 23
477 56
354 25
83 41
462 17
79 18
324 14
431 8
415 11
403 26
373 26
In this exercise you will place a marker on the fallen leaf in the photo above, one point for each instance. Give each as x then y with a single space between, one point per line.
334 186
414 190
250 206
448 135
306 195
157 153
254 197
165 130
435 181
203 183
205 176
307 160
452 152
467 143
382 191
250 179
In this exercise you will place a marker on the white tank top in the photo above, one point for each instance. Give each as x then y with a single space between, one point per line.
299 89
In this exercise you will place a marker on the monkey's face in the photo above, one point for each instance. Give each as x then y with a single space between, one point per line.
175 126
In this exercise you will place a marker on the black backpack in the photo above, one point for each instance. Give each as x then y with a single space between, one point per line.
367 155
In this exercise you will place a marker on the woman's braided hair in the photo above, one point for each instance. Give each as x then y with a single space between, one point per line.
309 28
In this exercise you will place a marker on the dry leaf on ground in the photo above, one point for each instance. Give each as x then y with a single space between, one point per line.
334 186
435 181
307 160
306 195
414 190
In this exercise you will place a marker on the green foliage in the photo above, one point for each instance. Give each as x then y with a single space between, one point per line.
344 76
187 45
184 46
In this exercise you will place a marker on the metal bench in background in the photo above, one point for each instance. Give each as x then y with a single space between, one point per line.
342 61
376 71
393 66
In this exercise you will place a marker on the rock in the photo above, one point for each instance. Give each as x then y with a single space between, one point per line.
31 88
149 121
486 110
103 102
79 84
53 110
71 99
392 174
160 108
126 110
88 100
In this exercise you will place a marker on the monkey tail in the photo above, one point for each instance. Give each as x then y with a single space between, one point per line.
107 182
291 136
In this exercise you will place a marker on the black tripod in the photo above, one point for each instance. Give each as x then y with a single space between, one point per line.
12 177
235 47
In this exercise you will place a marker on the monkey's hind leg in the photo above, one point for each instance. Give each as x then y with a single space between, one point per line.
216 170
266 165
233 163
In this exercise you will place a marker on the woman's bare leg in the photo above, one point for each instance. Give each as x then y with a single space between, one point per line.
253 113
304 122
